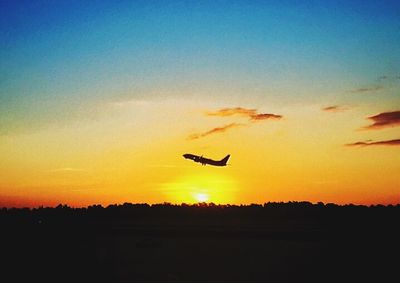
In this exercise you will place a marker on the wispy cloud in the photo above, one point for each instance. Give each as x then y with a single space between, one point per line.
383 120
388 78
334 108
131 102
224 112
252 114
265 116
395 142
214 131
367 89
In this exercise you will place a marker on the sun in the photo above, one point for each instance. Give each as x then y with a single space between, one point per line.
201 197
205 187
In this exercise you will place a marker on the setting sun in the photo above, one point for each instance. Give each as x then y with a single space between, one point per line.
204 187
201 197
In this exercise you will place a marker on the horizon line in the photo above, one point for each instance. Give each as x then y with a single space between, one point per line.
198 204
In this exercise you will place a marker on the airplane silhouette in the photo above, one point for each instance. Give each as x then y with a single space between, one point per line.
204 161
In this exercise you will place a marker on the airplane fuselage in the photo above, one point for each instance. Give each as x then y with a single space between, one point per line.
204 161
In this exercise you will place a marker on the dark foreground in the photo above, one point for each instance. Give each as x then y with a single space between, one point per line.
277 242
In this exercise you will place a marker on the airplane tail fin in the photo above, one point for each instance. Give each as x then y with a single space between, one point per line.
225 159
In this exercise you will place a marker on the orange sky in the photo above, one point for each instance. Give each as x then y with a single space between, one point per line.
113 159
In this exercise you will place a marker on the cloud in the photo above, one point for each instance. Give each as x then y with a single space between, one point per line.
224 112
367 89
251 114
383 120
388 78
131 102
239 111
214 131
265 116
334 108
395 142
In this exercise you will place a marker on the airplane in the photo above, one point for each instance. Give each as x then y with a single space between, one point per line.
204 161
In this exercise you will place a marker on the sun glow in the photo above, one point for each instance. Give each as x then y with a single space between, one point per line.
201 197
206 187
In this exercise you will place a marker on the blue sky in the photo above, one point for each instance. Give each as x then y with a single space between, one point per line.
72 53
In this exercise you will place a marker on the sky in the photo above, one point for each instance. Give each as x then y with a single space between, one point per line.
99 100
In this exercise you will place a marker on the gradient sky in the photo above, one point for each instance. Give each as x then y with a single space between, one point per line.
98 101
